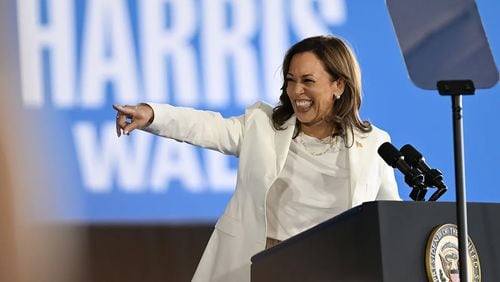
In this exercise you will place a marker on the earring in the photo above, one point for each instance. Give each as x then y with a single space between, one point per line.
337 97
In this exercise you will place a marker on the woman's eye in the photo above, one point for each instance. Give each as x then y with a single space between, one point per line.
288 79
308 81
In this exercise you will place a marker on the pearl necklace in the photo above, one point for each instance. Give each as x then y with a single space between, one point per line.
330 142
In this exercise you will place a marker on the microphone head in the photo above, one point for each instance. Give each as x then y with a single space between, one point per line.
389 153
411 155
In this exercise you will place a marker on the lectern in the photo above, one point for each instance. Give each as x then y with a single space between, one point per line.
377 241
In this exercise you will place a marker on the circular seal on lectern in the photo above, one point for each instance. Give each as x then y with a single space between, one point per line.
441 256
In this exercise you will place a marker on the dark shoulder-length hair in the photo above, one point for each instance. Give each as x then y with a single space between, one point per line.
340 62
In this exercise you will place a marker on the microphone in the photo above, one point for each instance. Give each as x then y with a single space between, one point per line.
413 177
433 177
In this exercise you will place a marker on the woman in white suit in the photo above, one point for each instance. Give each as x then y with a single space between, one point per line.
300 163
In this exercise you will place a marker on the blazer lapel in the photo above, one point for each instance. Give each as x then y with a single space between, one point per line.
283 138
356 167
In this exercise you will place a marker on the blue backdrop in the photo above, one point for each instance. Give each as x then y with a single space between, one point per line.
79 57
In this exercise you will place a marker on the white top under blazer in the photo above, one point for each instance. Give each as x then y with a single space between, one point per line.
313 187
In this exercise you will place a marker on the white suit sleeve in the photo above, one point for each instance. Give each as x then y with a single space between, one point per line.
388 187
201 128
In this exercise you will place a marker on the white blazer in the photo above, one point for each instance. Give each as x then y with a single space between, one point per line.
241 230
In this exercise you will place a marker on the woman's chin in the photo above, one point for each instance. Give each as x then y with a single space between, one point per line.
305 116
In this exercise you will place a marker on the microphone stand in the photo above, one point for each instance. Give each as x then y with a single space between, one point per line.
455 89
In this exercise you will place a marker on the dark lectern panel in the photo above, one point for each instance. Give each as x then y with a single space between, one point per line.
378 241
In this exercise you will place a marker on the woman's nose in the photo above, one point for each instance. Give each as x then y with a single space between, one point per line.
298 88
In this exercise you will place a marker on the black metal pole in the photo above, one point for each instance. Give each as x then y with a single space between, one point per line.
460 186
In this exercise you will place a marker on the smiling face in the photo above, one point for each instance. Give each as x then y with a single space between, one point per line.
312 92
314 70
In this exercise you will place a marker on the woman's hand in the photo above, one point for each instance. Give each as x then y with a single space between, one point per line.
129 118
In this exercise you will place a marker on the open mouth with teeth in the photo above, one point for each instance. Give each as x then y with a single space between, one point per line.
303 105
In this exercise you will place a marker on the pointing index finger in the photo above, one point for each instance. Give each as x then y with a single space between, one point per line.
123 109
